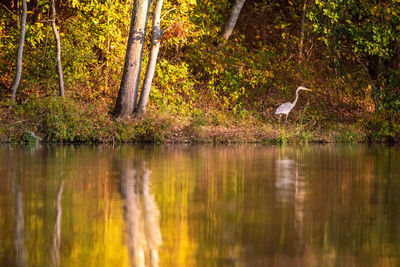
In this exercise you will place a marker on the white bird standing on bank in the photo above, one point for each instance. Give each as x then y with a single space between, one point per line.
285 108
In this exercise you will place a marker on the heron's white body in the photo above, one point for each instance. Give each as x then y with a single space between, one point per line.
285 108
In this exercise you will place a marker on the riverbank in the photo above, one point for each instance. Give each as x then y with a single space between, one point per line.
205 90
54 120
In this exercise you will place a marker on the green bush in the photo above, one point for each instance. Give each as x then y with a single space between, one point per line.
150 130
173 87
30 138
384 126
60 120
347 137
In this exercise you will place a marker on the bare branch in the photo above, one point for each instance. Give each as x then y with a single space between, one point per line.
166 13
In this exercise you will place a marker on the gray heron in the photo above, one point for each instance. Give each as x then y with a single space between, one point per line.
285 108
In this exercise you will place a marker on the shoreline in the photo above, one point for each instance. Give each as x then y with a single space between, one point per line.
67 121
187 134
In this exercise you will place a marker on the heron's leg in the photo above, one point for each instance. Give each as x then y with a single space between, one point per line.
286 117
280 116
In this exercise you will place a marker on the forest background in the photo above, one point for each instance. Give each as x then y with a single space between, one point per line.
206 88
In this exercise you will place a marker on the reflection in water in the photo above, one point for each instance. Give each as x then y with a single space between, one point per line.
55 250
213 205
290 187
151 216
285 180
141 216
299 200
19 240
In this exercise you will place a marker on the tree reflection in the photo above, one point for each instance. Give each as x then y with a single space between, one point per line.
216 206
141 215
55 250
290 187
151 216
19 235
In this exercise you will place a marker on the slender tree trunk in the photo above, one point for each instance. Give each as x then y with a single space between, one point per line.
17 78
140 62
230 25
58 45
151 66
301 41
107 70
127 94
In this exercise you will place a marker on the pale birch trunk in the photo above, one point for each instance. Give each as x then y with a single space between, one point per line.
58 47
230 25
17 78
127 94
151 66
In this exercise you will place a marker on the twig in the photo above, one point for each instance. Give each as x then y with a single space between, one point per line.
7 9
167 12
365 67
47 20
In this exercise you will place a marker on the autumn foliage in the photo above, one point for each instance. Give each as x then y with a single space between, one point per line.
351 60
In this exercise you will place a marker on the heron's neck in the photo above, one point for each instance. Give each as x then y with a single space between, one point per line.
297 96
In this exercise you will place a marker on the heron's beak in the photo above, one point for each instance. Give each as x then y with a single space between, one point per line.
308 89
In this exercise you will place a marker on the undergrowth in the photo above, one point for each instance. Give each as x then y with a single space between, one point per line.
67 120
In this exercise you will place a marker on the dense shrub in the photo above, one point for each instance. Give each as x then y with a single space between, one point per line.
61 120
384 126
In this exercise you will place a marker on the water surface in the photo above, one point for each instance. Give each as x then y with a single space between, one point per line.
321 205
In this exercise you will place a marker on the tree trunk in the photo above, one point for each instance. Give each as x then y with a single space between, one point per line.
58 45
151 66
127 94
230 25
17 78
301 41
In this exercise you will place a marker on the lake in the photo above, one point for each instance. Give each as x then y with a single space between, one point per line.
200 205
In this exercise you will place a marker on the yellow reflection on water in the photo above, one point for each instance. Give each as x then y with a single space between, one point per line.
199 206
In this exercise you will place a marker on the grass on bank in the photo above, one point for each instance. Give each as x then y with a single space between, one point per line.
57 120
